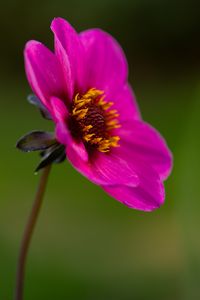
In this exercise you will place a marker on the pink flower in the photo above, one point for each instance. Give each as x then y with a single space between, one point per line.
84 86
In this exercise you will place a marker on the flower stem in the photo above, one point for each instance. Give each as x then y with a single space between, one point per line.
28 232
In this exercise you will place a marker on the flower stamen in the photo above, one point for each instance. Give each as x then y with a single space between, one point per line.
92 120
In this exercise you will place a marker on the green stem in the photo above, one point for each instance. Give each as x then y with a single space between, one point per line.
29 232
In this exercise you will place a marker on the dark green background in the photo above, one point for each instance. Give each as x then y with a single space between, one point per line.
86 245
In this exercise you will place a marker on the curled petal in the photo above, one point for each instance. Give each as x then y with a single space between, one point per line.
43 72
77 148
62 133
64 137
69 51
59 110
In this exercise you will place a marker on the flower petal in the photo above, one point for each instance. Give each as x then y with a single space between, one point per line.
106 63
69 51
143 143
64 137
125 103
60 115
114 169
104 169
107 69
59 110
147 196
43 71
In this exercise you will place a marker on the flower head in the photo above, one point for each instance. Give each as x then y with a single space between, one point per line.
84 87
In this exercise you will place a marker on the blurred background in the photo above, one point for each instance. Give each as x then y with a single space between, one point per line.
86 245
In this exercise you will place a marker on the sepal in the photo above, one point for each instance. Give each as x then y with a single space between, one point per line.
50 150
54 154
36 141
33 99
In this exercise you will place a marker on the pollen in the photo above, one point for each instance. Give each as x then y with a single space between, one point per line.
93 120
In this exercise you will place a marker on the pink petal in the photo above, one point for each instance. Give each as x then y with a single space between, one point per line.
43 72
60 116
106 65
149 193
125 103
59 110
143 143
63 136
69 51
114 169
104 169
147 196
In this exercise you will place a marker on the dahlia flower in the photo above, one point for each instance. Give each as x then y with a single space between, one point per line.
83 87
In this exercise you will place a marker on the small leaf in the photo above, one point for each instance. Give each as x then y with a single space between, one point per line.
54 154
36 140
32 99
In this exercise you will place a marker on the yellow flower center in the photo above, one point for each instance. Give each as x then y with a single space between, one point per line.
93 120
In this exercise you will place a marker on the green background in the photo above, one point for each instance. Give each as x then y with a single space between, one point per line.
86 245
